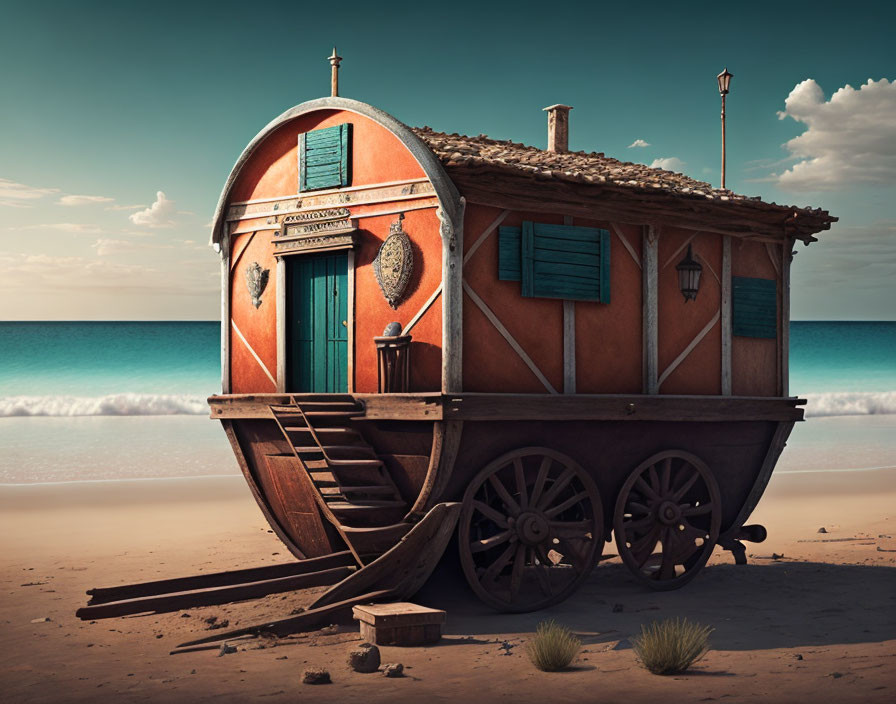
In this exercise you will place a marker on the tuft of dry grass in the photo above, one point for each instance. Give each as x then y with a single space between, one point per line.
553 647
670 647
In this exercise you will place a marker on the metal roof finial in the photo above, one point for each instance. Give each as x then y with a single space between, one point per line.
335 59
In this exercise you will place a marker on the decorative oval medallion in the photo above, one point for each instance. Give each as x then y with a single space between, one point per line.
394 263
256 280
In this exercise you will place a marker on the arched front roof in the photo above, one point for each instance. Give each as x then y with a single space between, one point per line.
446 191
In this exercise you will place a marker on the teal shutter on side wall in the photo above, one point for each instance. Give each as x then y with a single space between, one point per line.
562 261
324 158
754 304
509 253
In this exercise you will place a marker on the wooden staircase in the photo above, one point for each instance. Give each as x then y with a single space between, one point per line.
356 492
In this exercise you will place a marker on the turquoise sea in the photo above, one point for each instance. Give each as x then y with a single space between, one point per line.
98 400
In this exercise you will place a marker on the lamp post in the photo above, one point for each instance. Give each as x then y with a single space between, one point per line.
724 79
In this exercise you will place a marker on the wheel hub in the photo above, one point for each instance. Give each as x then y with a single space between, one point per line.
532 528
669 513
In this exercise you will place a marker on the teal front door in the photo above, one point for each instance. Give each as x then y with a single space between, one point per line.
316 320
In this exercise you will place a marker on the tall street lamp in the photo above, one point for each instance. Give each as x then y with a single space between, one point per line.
724 79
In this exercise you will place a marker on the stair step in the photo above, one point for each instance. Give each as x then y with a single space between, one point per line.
363 505
334 448
343 490
355 463
323 478
341 430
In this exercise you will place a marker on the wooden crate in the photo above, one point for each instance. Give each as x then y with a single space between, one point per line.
401 623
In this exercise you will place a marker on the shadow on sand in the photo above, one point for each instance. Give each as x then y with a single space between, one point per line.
751 607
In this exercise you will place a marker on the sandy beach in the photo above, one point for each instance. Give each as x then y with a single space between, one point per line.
817 624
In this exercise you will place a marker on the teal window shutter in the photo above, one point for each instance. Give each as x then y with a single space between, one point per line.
754 304
562 261
509 248
324 158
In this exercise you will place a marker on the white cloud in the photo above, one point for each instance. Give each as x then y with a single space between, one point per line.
849 139
159 214
139 206
669 163
76 227
84 200
16 195
639 143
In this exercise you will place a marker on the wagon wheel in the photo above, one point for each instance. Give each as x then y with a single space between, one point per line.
667 519
531 529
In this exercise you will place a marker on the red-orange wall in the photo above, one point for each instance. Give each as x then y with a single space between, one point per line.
680 322
608 336
377 157
754 361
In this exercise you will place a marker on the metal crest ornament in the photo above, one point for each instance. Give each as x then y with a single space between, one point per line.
394 263
257 281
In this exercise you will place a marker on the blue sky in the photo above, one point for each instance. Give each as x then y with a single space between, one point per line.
106 105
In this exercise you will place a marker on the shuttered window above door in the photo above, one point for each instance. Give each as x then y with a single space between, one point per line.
556 261
325 158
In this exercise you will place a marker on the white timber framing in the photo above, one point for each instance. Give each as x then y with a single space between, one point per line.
649 280
452 230
253 353
274 226
280 283
485 234
420 313
626 243
726 315
225 315
569 338
505 333
687 350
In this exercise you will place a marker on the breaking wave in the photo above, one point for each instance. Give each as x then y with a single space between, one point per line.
112 405
836 403
850 403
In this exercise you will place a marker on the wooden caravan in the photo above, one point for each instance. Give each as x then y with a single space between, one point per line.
573 348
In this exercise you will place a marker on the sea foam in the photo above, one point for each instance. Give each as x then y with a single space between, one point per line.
850 403
836 403
111 405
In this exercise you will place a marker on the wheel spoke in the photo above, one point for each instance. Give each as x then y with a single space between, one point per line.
491 514
512 506
543 574
654 479
646 490
643 548
558 486
640 508
570 529
570 502
539 480
667 566
520 482
679 493
516 572
666 476
700 510
489 543
491 574
634 525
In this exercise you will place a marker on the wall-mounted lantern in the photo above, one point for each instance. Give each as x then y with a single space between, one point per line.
689 270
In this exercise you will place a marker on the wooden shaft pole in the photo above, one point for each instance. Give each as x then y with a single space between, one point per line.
723 140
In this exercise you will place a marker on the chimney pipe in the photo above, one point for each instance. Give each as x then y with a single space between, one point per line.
558 128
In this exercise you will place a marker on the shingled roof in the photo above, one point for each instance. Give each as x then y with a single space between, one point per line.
466 156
